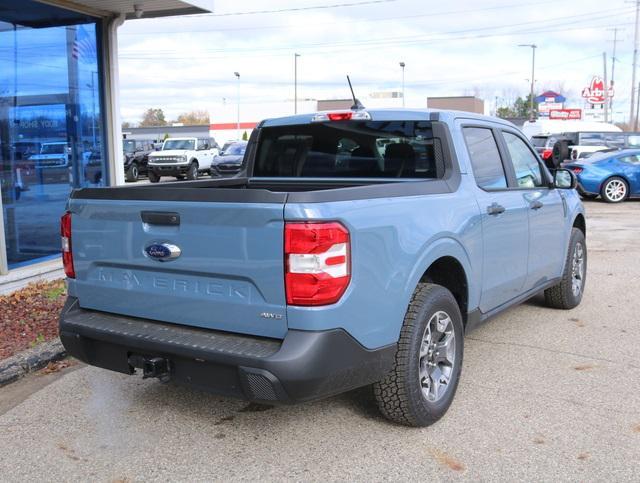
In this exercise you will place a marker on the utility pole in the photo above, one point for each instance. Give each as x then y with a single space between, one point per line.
237 74
402 64
635 124
614 59
532 116
633 72
295 83
606 88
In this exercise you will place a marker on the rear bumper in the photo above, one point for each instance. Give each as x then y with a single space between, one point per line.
305 365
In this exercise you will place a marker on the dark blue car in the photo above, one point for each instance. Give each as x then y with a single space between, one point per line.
613 175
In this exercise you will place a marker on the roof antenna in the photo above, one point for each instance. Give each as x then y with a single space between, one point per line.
356 103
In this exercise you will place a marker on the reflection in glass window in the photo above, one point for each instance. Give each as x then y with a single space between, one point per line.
181 144
350 149
485 158
525 163
51 129
633 141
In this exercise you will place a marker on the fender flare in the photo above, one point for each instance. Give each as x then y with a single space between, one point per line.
446 246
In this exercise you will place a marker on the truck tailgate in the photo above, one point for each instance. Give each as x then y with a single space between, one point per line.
228 275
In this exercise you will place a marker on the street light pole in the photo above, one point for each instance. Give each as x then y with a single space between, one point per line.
533 77
632 119
295 83
402 64
237 74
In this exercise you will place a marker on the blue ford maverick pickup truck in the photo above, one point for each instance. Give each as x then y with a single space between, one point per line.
358 248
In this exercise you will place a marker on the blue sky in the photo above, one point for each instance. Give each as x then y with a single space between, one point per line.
449 48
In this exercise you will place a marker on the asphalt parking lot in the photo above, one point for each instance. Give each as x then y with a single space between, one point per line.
545 395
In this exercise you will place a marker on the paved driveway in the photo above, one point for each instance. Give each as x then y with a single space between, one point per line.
545 395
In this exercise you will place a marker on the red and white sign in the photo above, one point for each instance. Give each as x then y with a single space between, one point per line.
595 93
566 114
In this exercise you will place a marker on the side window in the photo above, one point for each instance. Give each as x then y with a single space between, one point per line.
525 163
633 159
485 158
633 141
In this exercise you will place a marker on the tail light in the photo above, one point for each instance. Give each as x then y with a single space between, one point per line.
576 170
347 115
67 254
317 262
547 153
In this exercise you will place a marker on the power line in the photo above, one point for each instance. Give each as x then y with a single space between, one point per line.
295 9
355 47
351 22
417 38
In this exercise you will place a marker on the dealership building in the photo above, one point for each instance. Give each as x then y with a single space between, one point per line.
59 113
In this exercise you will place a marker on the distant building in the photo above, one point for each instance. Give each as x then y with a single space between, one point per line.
460 103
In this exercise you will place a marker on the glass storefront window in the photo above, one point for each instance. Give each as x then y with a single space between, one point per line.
51 129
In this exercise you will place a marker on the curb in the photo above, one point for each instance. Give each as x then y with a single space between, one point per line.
30 360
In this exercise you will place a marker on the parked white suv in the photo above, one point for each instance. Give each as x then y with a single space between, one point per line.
182 157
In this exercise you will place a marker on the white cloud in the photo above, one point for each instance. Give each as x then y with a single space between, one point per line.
186 63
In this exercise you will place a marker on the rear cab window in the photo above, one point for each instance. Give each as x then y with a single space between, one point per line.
350 149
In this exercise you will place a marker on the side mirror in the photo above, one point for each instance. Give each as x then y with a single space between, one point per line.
564 179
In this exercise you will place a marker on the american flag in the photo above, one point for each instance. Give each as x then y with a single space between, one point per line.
84 46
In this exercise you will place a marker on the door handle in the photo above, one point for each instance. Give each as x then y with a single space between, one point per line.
495 209
536 205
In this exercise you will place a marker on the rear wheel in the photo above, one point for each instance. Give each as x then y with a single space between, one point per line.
568 293
192 171
153 176
614 190
132 173
421 386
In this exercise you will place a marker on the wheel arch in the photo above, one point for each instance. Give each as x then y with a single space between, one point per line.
447 263
579 222
448 272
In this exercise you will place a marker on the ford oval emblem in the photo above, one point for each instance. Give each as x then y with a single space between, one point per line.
162 252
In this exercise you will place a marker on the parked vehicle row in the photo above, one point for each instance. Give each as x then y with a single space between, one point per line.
615 176
558 148
319 271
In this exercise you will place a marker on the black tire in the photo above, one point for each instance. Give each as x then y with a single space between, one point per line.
563 296
400 395
560 153
153 177
133 173
180 177
611 196
192 171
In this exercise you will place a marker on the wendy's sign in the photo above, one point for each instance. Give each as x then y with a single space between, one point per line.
595 93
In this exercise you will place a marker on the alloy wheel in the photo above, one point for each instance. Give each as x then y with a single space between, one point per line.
577 269
437 356
616 190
